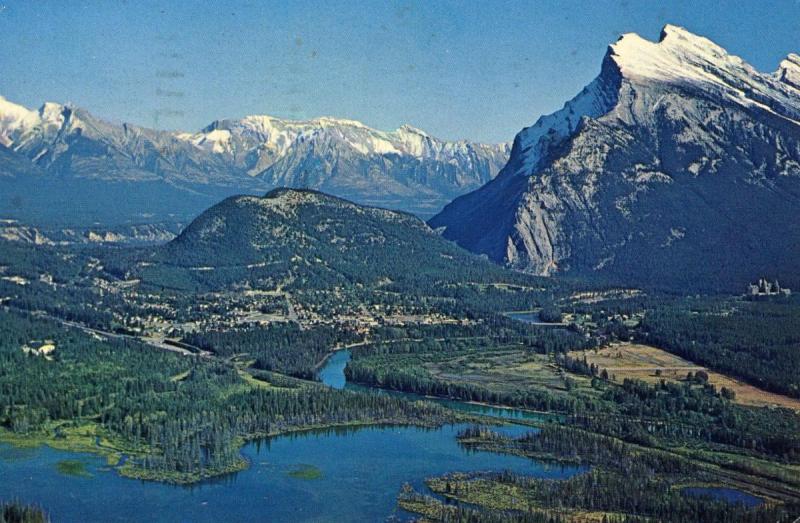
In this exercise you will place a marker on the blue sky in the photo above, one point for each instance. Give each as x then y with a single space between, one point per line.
480 70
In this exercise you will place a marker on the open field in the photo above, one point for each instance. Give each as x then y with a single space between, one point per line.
650 364
504 369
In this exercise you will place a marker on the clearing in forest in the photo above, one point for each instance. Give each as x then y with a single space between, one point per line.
650 364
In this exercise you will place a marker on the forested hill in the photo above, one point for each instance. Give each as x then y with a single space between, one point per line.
303 237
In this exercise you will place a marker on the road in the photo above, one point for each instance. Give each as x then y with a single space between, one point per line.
156 342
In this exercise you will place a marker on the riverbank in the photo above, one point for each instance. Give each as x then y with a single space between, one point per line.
332 374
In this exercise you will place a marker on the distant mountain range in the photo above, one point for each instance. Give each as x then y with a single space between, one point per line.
679 165
62 163
123 234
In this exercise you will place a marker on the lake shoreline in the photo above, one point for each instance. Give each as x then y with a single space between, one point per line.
130 470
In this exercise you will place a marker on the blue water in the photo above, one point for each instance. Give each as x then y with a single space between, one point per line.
362 470
362 473
727 494
332 374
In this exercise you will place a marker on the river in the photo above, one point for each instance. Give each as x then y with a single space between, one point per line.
332 374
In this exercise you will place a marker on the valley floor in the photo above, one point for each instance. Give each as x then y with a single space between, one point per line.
168 382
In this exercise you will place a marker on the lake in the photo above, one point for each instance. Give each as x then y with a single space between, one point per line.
356 476
333 475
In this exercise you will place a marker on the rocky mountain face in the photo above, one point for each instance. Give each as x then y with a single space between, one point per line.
678 166
403 169
67 150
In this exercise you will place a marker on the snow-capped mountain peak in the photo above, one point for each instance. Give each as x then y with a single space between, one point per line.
405 168
52 113
678 56
680 59
685 60
276 137
14 121
789 71
19 124
410 129
676 160
329 121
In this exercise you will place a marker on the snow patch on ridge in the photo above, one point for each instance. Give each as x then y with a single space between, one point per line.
15 120
596 99
679 58
277 137
217 141
18 124
789 71
684 59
